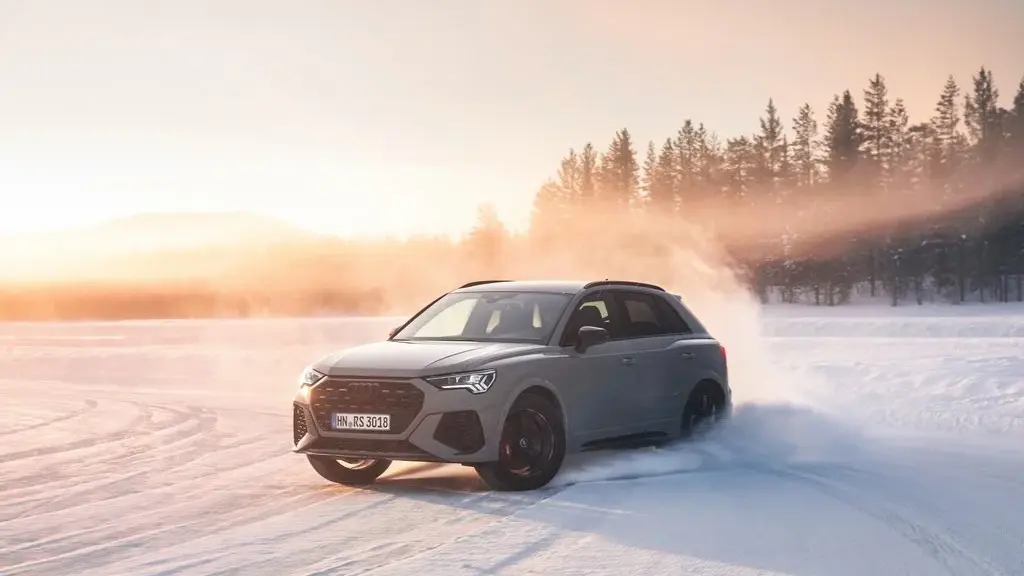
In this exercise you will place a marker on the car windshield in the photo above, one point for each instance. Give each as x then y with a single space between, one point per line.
489 317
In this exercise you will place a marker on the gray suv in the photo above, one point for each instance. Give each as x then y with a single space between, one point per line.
509 377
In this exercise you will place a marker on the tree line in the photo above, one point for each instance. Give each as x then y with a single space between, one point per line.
807 210
862 198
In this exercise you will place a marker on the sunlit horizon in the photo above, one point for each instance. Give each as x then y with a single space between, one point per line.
345 119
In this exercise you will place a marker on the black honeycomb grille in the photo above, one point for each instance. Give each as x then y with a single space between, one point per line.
299 429
461 431
401 400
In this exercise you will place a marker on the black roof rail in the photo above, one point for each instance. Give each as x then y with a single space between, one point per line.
622 283
479 282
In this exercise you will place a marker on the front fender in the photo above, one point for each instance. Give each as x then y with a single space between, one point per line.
525 384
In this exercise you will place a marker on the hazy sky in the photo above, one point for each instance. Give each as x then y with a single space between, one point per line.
384 116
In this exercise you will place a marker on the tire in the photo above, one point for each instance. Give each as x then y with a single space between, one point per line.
704 408
536 421
348 471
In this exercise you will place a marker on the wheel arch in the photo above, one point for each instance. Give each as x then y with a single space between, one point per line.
713 384
723 396
542 388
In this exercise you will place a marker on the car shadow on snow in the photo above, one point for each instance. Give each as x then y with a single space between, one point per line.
740 496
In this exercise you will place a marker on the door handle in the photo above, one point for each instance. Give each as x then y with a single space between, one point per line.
686 355
629 361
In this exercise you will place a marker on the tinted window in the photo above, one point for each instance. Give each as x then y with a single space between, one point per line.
594 310
647 315
670 318
488 317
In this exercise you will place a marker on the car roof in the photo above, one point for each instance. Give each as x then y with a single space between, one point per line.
552 286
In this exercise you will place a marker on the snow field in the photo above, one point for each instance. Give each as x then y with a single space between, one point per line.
867 440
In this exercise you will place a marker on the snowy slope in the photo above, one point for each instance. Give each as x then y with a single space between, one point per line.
162 448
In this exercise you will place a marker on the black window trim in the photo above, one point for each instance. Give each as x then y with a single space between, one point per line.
605 292
620 304
598 294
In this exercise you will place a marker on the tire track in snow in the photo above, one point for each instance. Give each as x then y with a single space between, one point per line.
90 405
384 555
118 543
144 415
126 487
184 427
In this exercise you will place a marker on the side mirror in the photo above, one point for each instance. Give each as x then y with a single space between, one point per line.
589 336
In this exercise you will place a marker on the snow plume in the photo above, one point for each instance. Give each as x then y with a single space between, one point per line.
682 257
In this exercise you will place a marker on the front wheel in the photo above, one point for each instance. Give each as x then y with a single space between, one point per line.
531 448
349 471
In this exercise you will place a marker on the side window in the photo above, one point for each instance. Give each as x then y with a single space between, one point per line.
670 318
640 318
593 311
647 315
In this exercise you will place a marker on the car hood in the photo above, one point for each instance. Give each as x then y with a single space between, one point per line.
423 358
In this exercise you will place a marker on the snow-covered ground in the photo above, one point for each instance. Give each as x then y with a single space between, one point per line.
896 447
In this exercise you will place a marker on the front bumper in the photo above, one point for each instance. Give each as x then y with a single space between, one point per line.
428 424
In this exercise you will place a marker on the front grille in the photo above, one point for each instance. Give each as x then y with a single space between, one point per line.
461 431
402 401
370 446
298 423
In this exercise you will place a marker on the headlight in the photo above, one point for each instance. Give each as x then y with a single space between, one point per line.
475 382
309 378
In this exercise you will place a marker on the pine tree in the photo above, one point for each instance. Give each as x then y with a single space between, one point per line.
619 172
1015 126
877 145
897 123
902 178
663 188
805 147
769 147
842 148
588 172
945 157
686 151
877 139
569 177
1015 154
649 175
946 122
982 116
738 167
706 161
842 138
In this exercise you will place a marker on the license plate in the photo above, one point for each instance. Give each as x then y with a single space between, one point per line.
379 422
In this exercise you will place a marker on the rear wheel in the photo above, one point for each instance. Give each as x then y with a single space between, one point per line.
531 448
703 409
350 471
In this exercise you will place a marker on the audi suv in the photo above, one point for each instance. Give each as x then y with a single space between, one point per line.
511 376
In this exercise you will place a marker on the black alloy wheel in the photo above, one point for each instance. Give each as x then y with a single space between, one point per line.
527 443
531 448
702 410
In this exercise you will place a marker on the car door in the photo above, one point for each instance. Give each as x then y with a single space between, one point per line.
599 378
663 361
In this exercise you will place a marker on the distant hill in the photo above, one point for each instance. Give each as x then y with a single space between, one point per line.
159 240
183 229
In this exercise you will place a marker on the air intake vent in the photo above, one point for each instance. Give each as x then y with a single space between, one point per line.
461 431
298 423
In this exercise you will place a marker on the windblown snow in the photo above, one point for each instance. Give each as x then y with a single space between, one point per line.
145 448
